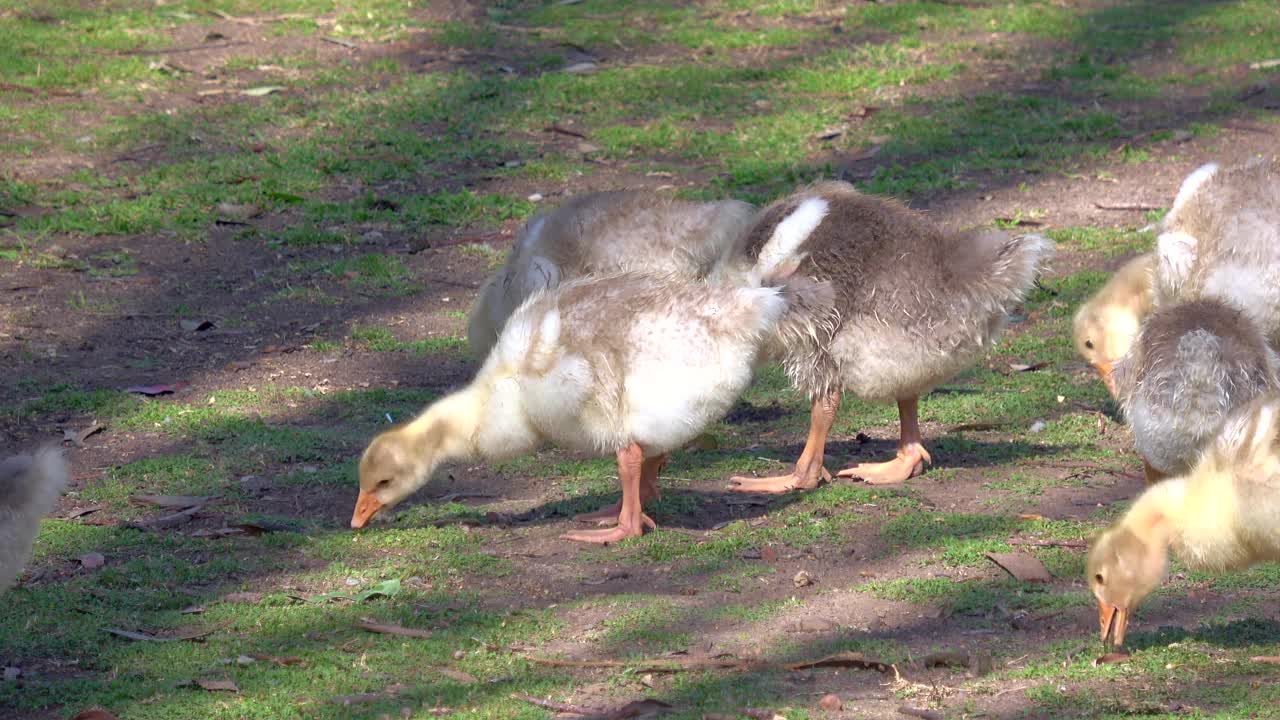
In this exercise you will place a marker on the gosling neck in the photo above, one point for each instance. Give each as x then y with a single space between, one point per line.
1158 512
445 431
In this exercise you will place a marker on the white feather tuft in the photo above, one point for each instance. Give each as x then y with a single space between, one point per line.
789 235
1175 252
1192 184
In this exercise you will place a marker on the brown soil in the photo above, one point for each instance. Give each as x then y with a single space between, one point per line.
137 339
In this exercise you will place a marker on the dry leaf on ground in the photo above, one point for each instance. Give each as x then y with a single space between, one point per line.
218 685
1112 658
400 630
171 501
457 676
946 658
77 437
92 560
278 660
153 390
95 714
1022 566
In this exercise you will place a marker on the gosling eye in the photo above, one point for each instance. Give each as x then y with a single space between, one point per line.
1088 344
383 483
1098 578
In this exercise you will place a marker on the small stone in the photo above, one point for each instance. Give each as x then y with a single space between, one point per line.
831 703
1037 426
802 579
536 197
238 211
92 561
459 654
814 624
585 67
352 582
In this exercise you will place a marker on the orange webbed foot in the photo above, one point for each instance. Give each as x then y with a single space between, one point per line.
777 484
614 534
909 463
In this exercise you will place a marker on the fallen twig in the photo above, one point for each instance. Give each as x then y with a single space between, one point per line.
920 713
1125 206
340 41
555 706
564 131
185 48
977 427
37 91
842 660
1048 543
1019 222
81 512
132 155
465 240
374 627
167 521
192 635
460 495
1006 691
660 666
1252 91
260 20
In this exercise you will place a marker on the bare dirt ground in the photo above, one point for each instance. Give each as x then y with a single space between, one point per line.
63 325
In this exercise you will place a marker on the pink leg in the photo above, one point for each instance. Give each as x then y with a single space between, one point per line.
1150 474
631 519
911 459
809 471
649 472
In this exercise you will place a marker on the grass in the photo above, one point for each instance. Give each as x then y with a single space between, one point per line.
380 339
438 128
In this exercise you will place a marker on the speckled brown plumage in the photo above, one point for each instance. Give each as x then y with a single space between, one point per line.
901 281
912 304
607 232
1190 366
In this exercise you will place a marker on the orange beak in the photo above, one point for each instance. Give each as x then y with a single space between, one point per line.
366 507
1104 371
1112 621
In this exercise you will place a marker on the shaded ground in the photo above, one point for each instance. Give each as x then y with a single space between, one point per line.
333 231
